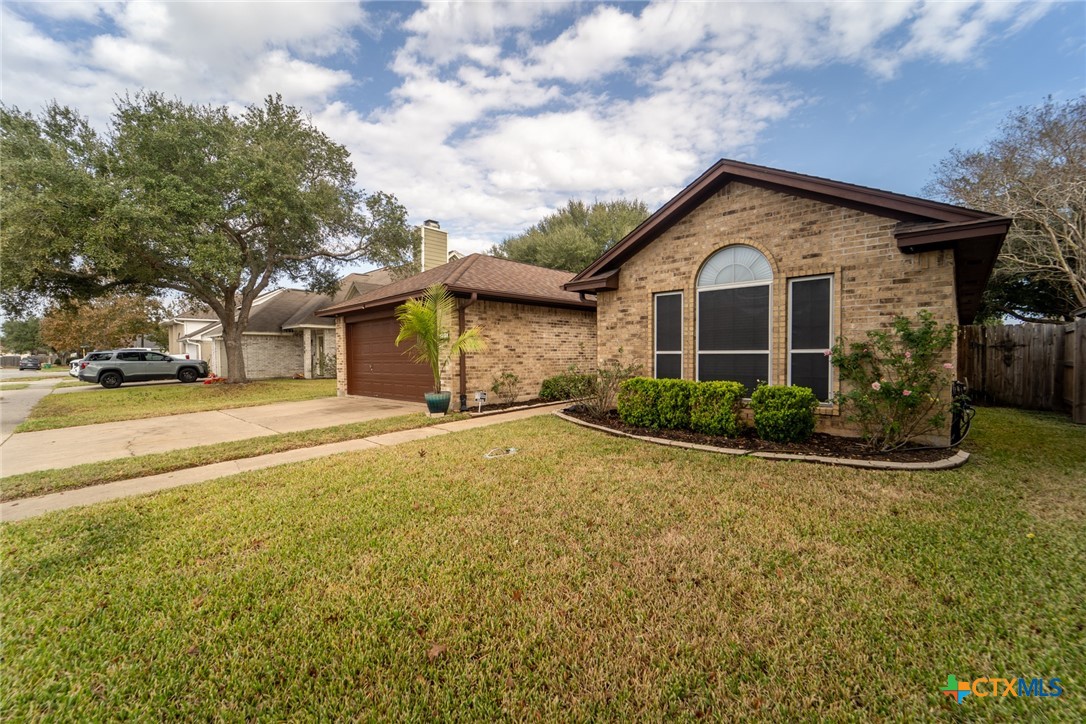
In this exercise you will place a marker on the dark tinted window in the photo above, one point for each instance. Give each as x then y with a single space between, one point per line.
734 319
130 356
155 357
669 366
812 369
811 314
746 368
669 322
98 356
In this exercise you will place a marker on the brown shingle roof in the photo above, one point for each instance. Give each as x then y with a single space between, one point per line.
487 276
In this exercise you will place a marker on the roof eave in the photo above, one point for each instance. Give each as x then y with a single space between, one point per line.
724 172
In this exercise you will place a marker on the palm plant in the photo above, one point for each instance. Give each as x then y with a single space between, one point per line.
425 321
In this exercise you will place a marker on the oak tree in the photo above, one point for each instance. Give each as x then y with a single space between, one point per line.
174 197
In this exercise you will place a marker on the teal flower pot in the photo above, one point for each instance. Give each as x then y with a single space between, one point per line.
438 402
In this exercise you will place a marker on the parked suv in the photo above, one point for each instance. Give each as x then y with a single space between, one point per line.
114 367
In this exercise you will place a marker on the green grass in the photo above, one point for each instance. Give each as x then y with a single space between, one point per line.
134 403
585 577
8 386
41 482
72 383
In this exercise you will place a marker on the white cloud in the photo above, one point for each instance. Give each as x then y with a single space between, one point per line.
499 112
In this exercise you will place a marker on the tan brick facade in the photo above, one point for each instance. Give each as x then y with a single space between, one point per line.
530 341
341 356
872 280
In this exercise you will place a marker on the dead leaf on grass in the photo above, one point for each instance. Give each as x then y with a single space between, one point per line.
517 595
436 651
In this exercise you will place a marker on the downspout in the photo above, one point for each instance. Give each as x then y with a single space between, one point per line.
462 325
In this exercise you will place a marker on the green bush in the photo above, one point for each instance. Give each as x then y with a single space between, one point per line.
566 386
714 408
784 414
656 404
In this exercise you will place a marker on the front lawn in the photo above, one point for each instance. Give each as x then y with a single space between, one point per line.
134 403
583 577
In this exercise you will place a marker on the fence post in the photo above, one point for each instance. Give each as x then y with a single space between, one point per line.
1078 382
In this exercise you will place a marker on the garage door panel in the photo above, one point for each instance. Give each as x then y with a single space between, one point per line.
376 367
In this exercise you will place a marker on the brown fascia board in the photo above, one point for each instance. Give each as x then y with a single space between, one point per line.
490 295
608 280
912 238
861 198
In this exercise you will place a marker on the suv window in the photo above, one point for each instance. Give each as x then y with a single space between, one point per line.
98 356
130 356
155 357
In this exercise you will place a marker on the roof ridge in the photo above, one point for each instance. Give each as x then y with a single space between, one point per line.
455 275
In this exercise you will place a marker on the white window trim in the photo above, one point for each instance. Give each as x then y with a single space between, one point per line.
791 350
655 323
698 351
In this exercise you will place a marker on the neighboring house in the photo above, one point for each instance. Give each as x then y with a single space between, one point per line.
182 333
751 273
284 337
532 327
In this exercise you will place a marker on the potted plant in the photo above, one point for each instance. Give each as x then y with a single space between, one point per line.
425 322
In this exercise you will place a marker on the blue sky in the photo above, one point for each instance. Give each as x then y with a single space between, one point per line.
487 116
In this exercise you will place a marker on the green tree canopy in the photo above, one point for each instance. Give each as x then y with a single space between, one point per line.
22 335
574 236
196 199
1035 172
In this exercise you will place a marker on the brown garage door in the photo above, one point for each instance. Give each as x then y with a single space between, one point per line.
376 367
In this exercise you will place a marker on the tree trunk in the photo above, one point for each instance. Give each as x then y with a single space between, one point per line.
235 360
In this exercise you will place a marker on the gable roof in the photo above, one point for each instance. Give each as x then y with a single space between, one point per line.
975 236
272 312
359 283
487 276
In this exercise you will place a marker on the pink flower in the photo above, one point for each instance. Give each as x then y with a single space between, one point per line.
827 353
908 355
947 366
906 393
876 386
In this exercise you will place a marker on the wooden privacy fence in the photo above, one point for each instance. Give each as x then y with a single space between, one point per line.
1036 366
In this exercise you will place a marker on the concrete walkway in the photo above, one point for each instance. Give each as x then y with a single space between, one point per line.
15 405
31 507
30 451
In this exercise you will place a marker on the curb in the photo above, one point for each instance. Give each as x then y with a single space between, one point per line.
955 461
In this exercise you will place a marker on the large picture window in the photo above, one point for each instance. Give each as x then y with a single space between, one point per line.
810 331
734 298
668 334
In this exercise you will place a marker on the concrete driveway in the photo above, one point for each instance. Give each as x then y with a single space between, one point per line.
30 451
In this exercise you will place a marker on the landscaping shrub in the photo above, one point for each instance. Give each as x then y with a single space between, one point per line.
569 385
507 387
897 380
657 404
714 408
601 398
784 414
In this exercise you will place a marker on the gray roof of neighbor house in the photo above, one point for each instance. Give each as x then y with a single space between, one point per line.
975 236
272 313
486 276
362 282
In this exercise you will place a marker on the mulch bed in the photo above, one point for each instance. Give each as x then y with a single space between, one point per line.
820 443
495 406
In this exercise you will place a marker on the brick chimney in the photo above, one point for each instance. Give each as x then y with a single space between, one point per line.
435 245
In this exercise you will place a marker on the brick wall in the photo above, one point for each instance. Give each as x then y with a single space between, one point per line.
872 280
266 356
531 342
341 356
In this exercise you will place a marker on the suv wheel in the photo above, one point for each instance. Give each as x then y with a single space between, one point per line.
110 380
187 375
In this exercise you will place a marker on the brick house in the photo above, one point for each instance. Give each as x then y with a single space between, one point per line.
750 273
533 328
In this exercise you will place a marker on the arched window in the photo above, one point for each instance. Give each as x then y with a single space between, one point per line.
734 296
